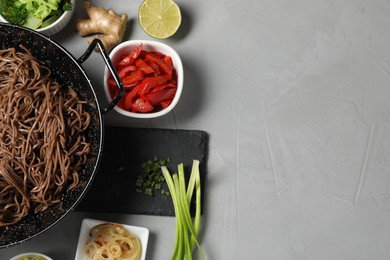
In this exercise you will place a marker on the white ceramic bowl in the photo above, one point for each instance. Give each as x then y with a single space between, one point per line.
88 224
55 27
30 254
125 48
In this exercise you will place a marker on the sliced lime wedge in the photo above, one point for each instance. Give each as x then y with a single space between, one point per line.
159 18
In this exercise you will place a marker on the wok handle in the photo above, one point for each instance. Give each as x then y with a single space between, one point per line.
97 43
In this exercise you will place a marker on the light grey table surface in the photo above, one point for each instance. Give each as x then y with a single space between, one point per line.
295 98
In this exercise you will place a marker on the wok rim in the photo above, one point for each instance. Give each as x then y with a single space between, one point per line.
99 150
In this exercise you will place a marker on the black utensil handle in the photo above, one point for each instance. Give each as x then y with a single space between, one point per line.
97 43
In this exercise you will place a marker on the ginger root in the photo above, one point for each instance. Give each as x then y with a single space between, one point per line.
103 24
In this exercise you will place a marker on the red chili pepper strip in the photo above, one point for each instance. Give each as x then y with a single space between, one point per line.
153 58
142 106
121 102
127 70
163 86
159 54
157 97
130 97
142 54
129 59
142 65
113 90
130 86
135 77
166 103
150 82
111 82
168 61
156 68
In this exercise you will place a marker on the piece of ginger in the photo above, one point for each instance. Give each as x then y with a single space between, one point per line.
103 24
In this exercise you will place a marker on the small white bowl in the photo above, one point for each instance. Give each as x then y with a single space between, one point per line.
88 224
125 48
55 27
30 254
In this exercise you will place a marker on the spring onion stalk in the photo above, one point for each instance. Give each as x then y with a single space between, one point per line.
184 246
187 228
195 172
171 187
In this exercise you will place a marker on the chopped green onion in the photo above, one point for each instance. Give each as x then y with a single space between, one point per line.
165 192
139 182
147 183
151 178
149 192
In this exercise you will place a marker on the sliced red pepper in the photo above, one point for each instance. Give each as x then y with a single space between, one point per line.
113 90
135 77
168 61
111 82
121 102
157 97
163 86
166 103
142 65
142 106
142 54
150 82
156 68
129 59
130 97
126 70
166 68
158 54
130 86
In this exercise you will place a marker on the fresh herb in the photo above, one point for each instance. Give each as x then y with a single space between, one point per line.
187 228
151 179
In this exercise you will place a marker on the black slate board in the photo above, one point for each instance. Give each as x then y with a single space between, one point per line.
114 191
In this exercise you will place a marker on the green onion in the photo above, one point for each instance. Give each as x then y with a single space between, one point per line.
151 178
148 192
187 228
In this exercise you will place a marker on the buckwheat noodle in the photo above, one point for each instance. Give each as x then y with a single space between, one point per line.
42 136
114 242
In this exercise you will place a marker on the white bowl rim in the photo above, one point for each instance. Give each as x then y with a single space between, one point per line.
30 254
178 67
59 20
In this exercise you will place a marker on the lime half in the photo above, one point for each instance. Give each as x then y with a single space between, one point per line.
159 18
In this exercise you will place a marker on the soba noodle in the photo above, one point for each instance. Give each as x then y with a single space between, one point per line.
112 241
42 137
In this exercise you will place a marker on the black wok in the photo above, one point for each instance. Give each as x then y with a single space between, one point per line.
67 71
